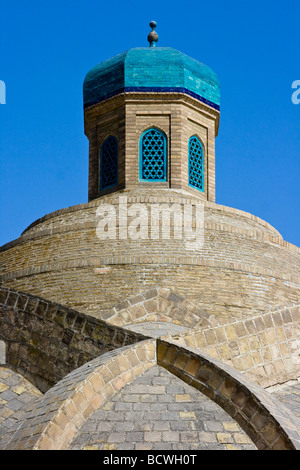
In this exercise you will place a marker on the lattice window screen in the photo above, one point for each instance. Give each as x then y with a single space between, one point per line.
153 156
196 178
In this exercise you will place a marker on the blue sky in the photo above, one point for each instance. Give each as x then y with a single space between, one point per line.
48 47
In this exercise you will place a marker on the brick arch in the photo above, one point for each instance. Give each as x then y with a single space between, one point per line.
266 421
61 412
159 305
45 341
264 346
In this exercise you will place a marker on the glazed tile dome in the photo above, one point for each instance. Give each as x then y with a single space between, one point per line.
152 69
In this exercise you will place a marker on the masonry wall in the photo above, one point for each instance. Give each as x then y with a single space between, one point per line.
269 425
264 347
45 341
64 409
128 115
108 120
243 267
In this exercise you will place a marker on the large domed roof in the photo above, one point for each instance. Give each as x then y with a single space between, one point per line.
152 69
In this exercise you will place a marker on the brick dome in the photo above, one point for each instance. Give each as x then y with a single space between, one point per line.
129 310
157 69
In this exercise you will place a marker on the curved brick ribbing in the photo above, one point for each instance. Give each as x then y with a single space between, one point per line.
265 347
158 305
51 421
45 341
266 421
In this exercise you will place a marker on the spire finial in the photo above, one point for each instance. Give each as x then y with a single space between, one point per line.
153 36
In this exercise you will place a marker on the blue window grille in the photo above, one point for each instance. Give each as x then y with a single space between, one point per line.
153 156
109 163
196 177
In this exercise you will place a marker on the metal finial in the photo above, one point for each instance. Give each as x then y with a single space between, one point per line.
153 36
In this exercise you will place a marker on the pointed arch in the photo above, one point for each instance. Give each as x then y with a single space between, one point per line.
153 155
196 165
268 423
109 162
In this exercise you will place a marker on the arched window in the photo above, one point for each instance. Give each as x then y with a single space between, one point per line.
153 156
196 177
109 162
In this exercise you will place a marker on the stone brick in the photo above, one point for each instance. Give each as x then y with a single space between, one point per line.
80 401
224 438
192 366
97 382
71 410
181 361
269 432
230 332
153 436
61 420
249 408
239 397
259 420
187 415
183 397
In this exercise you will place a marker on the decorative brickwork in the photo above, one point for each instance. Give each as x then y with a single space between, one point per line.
158 305
129 115
243 267
160 412
45 341
196 163
170 279
265 347
153 156
51 422
268 423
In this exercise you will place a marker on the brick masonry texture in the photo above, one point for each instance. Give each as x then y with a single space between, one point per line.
122 421
157 411
243 267
45 341
52 421
289 394
269 424
125 339
60 418
129 115
15 393
158 305
265 347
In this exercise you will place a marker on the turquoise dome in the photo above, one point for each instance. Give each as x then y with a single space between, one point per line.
154 69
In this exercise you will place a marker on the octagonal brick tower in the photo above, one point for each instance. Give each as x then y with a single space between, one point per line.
151 116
